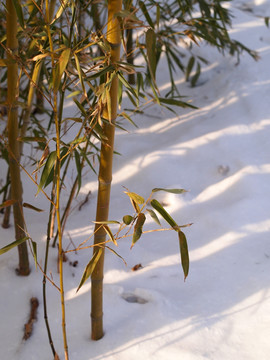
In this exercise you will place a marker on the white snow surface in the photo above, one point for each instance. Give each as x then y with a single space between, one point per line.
220 153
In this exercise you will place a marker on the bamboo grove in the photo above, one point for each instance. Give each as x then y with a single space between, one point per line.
94 54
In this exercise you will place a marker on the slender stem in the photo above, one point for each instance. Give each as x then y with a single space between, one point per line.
105 174
58 218
49 235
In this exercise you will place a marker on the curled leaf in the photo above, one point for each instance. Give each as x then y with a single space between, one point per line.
138 228
127 219
137 198
153 216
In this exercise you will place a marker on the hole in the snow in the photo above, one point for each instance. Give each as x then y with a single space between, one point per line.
132 298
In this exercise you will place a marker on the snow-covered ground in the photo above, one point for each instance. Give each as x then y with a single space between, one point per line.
221 154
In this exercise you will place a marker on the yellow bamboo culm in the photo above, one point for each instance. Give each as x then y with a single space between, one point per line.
13 129
105 174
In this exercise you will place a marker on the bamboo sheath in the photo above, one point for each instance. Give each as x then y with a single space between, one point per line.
105 174
13 131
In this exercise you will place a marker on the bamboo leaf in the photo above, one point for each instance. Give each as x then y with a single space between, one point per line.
90 267
19 12
127 219
176 103
146 14
126 116
160 209
79 169
153 216
120 93
115 253
138 228
135 206
32 138
7 203
150 38
100 73
34 247
60 10
12 245
127 85
47 169
137 198
109 232
29 206
79 72
184 252
61 67
173 191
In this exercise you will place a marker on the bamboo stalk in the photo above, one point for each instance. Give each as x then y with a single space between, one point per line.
13 129
105 174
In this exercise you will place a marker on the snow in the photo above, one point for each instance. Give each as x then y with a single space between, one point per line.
220 153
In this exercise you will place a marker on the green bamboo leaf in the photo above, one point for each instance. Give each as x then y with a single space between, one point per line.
120 93
158 15
100 73
81 108
137 198
79 169
173 191
153 216
176 103
126 116
19 12
32 138
127 219
160 209
110 234
115 253
49 165
150 38
12 245
184 252
90 267
74 93
34 247
138 228
61 67
266 20
146 14
60 10
127 85
29 206
190 67
79 72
